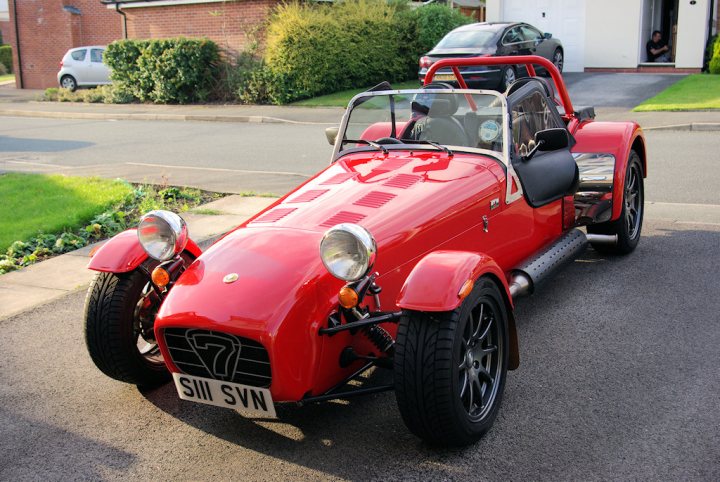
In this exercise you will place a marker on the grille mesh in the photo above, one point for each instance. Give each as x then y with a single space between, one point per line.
251 365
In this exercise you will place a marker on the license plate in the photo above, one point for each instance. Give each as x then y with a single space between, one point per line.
224 394
445 77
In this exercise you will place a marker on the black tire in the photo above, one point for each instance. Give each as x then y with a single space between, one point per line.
431 368
68 82
507 77
110 330
628 226
558 59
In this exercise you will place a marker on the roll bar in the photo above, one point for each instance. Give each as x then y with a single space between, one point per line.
527 60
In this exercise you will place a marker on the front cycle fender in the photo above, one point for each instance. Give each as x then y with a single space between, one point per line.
123 253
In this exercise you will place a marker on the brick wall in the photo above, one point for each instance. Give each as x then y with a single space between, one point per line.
233 25
47 31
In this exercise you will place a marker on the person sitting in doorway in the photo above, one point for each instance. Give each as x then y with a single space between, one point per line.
657 50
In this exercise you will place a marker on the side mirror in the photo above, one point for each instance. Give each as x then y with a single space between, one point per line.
331 133
552 139
547 35
549 140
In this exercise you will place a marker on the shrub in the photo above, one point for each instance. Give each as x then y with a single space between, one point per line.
176 70
432 22
3 70
50 94
714 66
6 57
318 49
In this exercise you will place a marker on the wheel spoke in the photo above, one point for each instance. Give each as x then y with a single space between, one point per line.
476 383
466 378
488 350
485 333
479 323
467 335
470 404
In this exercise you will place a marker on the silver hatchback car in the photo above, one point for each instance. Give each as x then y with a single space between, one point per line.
83 66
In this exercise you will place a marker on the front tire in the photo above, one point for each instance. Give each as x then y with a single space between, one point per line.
450 368
628 226
113 330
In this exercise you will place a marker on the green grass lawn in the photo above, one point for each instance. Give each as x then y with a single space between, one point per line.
33 203
341 99
3 78
694 92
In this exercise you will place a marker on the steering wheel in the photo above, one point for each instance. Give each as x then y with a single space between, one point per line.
388 140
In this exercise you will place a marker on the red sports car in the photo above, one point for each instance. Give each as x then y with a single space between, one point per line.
440 207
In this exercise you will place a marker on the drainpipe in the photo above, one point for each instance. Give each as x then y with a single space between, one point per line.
124 27
17 45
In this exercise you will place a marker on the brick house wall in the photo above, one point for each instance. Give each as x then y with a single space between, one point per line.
47 31
235 25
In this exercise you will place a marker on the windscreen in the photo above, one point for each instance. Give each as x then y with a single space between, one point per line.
466 39
449 118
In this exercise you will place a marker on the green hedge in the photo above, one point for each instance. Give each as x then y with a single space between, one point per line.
714 65
6 57
318 49
178 70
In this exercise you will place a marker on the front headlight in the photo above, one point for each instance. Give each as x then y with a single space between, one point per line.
162 234
348 251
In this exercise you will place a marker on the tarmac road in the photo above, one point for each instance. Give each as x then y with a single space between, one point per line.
619 379
274 158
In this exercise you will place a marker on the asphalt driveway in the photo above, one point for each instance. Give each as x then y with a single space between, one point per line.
615 89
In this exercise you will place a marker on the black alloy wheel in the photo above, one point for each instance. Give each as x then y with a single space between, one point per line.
479 356
628 227
450 367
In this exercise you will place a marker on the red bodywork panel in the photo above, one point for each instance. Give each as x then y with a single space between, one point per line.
284 294
449 269
123 253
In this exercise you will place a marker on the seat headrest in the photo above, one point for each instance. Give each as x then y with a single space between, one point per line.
442 108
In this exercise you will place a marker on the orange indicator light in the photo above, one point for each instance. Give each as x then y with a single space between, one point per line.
160 277
348 297
466 289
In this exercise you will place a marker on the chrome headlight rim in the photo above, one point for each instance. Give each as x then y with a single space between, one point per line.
367 249
176 230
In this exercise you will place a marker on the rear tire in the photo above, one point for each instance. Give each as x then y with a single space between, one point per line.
628 226
444 364
558 59
68 82
111 331
507 77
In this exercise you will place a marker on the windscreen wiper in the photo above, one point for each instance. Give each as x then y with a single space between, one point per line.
369 143
432 143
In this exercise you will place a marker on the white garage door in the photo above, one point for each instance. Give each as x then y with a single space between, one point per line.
565 19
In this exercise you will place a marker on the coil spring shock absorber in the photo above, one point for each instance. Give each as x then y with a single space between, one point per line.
377 334
380 338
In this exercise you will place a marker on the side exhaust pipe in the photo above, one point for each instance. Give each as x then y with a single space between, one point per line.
526 278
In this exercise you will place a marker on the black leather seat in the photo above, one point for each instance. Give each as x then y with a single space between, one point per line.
441 127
